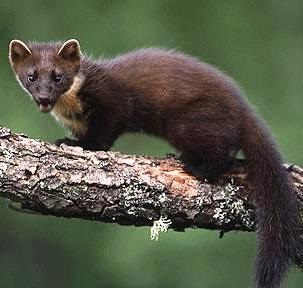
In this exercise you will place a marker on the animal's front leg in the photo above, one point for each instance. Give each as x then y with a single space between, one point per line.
100 138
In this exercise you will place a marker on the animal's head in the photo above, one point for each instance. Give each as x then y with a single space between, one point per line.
45 70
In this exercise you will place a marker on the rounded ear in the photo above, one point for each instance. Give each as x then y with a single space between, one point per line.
18 51
70 50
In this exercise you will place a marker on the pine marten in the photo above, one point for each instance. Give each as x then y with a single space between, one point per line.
195 107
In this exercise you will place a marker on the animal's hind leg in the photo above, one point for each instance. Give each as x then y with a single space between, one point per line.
207 141
208 165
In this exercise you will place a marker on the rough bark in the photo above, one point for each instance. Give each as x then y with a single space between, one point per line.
129 190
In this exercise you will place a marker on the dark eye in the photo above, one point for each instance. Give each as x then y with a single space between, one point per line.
57 78
31 78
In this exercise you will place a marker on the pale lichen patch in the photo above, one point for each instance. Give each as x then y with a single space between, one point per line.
230 208
231 188
220 215
159 226
162 198
220 195
3 168
133 192
204 197
8 154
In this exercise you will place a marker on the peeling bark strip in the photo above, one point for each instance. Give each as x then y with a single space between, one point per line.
124 189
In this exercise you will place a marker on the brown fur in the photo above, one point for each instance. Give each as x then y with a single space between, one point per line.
197 108
68 106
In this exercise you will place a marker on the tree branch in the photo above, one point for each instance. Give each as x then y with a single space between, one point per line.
129 190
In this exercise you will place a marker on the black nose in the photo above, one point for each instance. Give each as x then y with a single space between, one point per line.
43 99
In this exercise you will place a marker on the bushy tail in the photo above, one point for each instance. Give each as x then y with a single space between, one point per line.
277 209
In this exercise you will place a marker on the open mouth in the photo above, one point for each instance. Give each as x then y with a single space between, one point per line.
45 107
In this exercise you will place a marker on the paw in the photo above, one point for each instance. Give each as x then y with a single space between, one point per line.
67 141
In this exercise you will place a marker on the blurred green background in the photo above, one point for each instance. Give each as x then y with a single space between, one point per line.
259 43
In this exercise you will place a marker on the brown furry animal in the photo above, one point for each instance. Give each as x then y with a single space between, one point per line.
195 107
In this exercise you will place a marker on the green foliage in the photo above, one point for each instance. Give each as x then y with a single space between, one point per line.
259 43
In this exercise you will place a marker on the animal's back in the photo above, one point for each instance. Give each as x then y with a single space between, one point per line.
169 86
170 76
